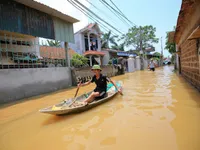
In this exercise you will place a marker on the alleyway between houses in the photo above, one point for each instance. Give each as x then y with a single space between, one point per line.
159 111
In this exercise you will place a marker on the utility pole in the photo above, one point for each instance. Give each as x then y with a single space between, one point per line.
67 55
141 52
161 56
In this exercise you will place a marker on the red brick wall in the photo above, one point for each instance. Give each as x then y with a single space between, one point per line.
190 62
52 52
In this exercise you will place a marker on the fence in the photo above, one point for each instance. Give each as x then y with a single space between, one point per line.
22 51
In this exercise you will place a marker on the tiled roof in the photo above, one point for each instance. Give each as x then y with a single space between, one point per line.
184 14
111 50
44 8
88 27
98 53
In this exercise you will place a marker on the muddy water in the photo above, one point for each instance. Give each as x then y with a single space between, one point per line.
159 111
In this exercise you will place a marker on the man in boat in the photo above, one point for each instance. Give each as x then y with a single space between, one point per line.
101 85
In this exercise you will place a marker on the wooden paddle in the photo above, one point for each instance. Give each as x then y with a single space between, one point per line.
74 97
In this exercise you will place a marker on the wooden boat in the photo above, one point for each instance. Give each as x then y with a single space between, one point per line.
64 107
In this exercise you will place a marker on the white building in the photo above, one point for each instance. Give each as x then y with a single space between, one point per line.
88 43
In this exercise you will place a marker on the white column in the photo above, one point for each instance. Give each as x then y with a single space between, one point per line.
89 41
100 59
99 43
90 60
131 67
138 63
81 46
37 46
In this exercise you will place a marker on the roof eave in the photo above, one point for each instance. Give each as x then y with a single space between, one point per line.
186 7
46 9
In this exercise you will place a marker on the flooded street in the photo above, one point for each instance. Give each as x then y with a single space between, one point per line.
158 111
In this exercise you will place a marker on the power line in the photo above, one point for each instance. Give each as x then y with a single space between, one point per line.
87 14
95 7
116 7
161 55
121 12
101 11
108 6
91 17
99 22
118 12
98 16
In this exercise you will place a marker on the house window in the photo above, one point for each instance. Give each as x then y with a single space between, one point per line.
24 43
86 44
93 45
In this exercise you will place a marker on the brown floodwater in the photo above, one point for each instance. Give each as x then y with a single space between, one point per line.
158 111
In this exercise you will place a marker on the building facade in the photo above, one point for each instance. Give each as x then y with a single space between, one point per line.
22 75
187 39
22 23
88 43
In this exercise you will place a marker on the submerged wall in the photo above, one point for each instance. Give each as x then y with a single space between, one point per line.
17 84
85 74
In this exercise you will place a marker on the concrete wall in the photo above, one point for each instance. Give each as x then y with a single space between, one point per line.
82 43
74 47
85 74
17 84
77 46
106 57
146 63
138 63
131 65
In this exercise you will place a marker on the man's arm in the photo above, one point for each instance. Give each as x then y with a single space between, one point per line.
86 83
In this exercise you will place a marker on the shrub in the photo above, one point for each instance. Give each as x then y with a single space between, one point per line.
79 60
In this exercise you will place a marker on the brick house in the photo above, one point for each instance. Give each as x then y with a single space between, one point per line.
187 39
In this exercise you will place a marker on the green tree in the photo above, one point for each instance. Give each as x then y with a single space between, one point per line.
119 47
140 37
156 54
107 39
171 47
54 43
156 58
79 60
